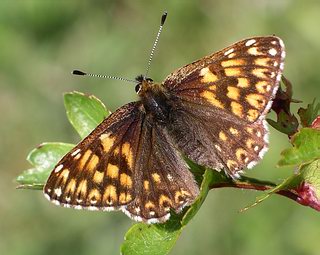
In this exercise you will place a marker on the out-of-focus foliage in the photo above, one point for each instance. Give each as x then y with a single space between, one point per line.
43 41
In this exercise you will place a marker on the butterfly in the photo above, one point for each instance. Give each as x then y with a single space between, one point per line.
211 111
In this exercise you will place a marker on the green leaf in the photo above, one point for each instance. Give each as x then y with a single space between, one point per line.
306 148
47 155
308 115
84 112
43 159
158 239
32 179
208 179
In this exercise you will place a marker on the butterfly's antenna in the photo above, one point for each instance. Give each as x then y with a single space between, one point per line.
77 72
163 19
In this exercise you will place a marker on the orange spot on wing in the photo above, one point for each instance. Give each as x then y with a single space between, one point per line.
110 195
210 97
233 131
252 115
156 178
262 61
237 109
71 186
94 160
98 177
84 159
256 100
207 75
233 93
127 153
125 180
107 142
232 71
124 198
233 62
146 185
243 82
112 171
262 87
260 73
94 196
240 154
222 136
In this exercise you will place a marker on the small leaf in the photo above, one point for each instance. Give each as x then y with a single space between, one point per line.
43 158
32 178
306 148
84 112
308 115
47 155
157 239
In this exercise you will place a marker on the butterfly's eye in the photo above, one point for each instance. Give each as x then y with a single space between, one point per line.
149 79
138 88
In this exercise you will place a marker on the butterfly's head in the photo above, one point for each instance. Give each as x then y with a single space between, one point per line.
143 83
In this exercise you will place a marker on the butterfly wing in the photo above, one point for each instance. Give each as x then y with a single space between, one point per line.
226 95
164 179
125 164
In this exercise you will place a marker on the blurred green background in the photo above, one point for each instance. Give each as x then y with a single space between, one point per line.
42 41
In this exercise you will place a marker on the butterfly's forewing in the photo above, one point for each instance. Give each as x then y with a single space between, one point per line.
125 164
99 171
228 94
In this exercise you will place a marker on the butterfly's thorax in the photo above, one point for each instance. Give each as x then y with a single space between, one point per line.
155 100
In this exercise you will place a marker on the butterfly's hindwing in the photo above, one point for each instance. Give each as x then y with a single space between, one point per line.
165 182
216 142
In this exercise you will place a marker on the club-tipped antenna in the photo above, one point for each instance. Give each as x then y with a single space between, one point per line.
78 72
163 19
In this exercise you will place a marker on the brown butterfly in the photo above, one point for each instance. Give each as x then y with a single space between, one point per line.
211 111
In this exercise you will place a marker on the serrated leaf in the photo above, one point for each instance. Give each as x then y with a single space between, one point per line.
43 158
308 115
310 174
84 112
158 239
306 148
